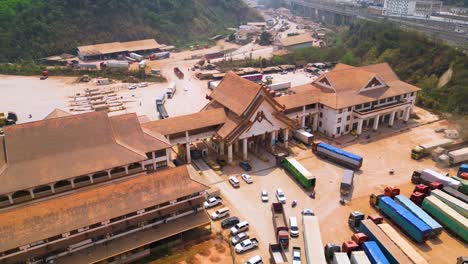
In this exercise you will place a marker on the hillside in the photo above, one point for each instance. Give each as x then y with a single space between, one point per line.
32 29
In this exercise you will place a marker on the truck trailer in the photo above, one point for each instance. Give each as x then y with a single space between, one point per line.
424 150
304 136
406 220
436 228
277 255
280 86
463 184
455 193
456 204
374 253
135 56
359 257
458 156
337 155
347 182
428 176
340 258
313 245
409 251
390 250
253 77
302 175
280 224
448 217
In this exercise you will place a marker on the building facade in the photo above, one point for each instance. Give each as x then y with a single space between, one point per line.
399 7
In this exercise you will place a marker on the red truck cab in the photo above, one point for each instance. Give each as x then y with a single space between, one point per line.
349 246
422 188
417 198
436 186
376 218
391 191
360 238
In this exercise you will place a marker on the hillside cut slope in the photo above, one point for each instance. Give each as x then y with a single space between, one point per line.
35 28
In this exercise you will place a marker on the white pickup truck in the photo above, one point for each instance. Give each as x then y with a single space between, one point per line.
246 245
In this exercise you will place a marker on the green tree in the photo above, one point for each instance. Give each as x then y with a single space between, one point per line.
265 38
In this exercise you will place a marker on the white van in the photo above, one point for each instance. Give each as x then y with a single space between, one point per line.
234 182
293 227
240 227
255 260
220 213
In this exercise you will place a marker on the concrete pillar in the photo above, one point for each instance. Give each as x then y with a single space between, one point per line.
52 188
376 122
221 148
236 146
315 125
153 157
286 137
244 148
359 126
392 119
126 172
406 115
32 193
188 158
91 176
273 138
108 175
230 153
72 181
303 121
10 198
168 156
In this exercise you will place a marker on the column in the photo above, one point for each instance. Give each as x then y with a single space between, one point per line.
286 137
392 119
168 157
236 146
188 158
32 193
221 148
91 176
376 122
315 125
273 138
406 115
108 175
244 148
72 181
10 198
303 121
52 188
126 172
359 126
230 153
153 157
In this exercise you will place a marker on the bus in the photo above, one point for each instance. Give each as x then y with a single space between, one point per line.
302 175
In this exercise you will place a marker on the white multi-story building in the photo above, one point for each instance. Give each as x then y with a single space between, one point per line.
399 7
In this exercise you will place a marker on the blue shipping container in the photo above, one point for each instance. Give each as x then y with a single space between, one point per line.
374 253
426 218
346 157
414 227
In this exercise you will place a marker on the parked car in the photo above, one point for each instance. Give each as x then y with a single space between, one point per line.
239 237
245 165
221 161
255 260
246 245
247 178
220 213
293 227
229 222
143 84
308 212
212 202
239 227
264 196
280 196
132 87
234 182
283 72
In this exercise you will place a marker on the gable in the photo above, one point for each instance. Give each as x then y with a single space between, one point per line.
374 83
324 82
263 120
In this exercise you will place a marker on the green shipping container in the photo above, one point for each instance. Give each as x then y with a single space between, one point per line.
446 216
302 175
464 185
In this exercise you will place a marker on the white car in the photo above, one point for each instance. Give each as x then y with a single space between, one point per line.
280 196
220 213
212 202
132 87
264 196
239 237
247 178
255 260
143 84
308 212
246 245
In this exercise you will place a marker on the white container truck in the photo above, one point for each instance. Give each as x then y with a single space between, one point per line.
304 136
427 176
280 86
117 64
341 258
359 257
458 156
171 89
312 240
135 56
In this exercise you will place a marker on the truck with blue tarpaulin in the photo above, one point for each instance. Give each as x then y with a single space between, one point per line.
374 253
416 210
406 220
337 155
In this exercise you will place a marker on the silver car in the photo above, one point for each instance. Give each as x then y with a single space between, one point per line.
239 237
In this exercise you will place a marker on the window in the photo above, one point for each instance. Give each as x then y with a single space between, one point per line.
349 109
338 130
320 115
339 120
348 118
320 124
405 95
340 111
366 104
412 94
321 106
347 128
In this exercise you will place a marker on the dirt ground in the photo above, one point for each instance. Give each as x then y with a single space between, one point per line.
380 156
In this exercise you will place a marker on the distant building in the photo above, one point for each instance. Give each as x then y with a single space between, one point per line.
297 42
399 7
428 7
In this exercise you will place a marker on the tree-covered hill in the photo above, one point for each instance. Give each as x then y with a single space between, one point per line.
35 28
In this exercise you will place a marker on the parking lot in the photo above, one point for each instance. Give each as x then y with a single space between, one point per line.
380 157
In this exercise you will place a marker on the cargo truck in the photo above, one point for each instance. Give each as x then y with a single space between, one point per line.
463 184
409 251
456 204
458 156
424 150
359 257
455 193
436 228
337 155
161 55
374 253
253 77
280 86
406 220
277 255
280 224
347 182
178 73
171 89
428 176
304 137
448 217
313 245
115 64
302 175
390 250
341 258
462 169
